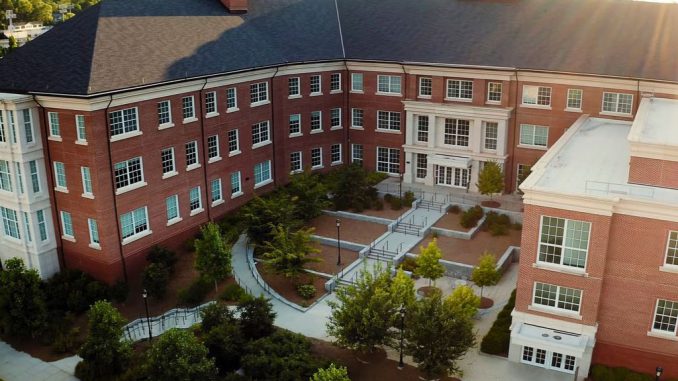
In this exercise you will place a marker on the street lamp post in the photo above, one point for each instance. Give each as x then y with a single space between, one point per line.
401 364
659 370
148 317
338 242
400 187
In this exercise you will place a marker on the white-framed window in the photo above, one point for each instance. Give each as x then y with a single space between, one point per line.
388 120
67 224
315 85
231 99
564 242
494 90
12 126
357 118
164 113
389 84
93 232
293 87
459 89
213 147
672 249
123 121
557 297
425 87
532 135
192 154
42 225
316 157
188 107
167 160
128 172
335 154
258 93
548 359
60 175
260 133
295 162
19 177
10 222
3 137
236 186
195 200
335 82
574 98
523 171
86 181
536 95
134 223
80 130
422 128
316 121
211 103
422 165
6 176
357 153
35 176
172 207
54 127
617 103
335 118
27 228
233 142
215 186
665 316
452 176
357 82
295 124
490 135
388 160
28 125
262 173
457 132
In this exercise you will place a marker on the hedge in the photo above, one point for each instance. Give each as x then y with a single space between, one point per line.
498 338
605 373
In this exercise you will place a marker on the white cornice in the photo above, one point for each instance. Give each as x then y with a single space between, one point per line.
581 80
654 151
458 110
457 72
578 203
375 66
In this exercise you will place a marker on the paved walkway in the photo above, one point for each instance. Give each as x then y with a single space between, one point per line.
19 366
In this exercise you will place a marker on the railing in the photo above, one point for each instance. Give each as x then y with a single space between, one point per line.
175 318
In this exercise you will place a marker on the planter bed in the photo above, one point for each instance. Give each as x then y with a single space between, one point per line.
351 230
329 256
287 288
469 251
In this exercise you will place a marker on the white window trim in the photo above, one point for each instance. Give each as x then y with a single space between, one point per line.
389 130
211 160
319 166
301 163
389 93
193 118
240 191
532 146
216 106
567 101
125 135
555 310
237 141
658 332
353 126
263 102
296 134
318 130
220 200
341 155
560 266
49 126
536 105
267 181
298 94
487 98
340 126
320 85
82 142
86 194
235 98
170 124
419 94
268 136
338 91
58 187
173 172
178 218
200 207
136 185
92 244
362 83
665 266
67 237
615 113
457 99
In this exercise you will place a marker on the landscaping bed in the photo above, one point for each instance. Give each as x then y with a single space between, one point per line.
386 212
287 288
351 230
328 254
450 221
469 251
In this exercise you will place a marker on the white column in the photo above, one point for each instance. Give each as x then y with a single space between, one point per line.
476 132
410 128
408 176
432 130
475 168
430 174
502 137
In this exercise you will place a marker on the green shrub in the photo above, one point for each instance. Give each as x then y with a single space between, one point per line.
471 217
306 291
378 204
408 198
409 264
374 178
517 226
605 373
195 293
396 203
162 256
232 293
498 338
388 197
497 224
215 315
189 245
66 342
74 290
455 209
119 291
497 230
155 279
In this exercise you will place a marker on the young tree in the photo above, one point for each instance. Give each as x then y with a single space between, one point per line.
22 301
437 336
225 344
402 289
215 315
331 373
282 356
463 300
486 273
260 214
490 179
104 354
155 279
287 253
256 317
309 195
351 188
428 262
213 257
178 355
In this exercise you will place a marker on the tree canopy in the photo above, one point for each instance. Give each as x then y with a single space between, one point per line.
22 300
288 252
490 179
179 355
40 10
213 259
428 265
486 273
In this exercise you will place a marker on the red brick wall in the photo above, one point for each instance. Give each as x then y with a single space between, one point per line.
640 361
661 173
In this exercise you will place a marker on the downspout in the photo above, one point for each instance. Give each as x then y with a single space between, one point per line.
404 163
348 117
205 160
511 170
272 129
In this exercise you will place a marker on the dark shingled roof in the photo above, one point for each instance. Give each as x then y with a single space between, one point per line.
125 43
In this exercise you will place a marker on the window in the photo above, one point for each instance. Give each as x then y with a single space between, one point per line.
459 89
258 93
295 162
672 249
19 177
81 133
192 154
67 224
5 176
215 186
12 128
388 160
564 242
389 84
10 222
134 223
451 176
357 153
86 181
172 206
231 99
167 160
54 129
532 135
60 174
293 89
335 82
42 225
164 113
233 144
315 85
295 124
422 165
27 227
211 103
357 82
235 184
3 139
523 171
558 297
665 316
494 91
335 118
388 120
457 132
93 232
425 87
28 125
35 177
195 200
123 121
491 131
536 95
188 107
335 154
262 173
316 121
422 128
574 99
316 158
617 103
357 118
128 173
213 147
260 133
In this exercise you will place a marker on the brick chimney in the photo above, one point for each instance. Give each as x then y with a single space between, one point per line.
235 6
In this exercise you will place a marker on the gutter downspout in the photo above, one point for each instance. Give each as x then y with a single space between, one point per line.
515 131
272 129
205 160
348 118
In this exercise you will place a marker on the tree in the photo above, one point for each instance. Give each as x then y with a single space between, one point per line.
213 258
402 289
486 273
331 373
463 300
309 195
178 355
365 313
13 45
351 188
437 336
256 317
22 301
287 253
261 214
490 179
282 356
428 262
104 354
215 315
522 175
225 344
155 279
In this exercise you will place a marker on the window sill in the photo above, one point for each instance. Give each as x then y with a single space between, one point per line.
81 142
232 109
560 269
494 103
541 148
68 238
358 128
165 126
236 195
217 203
61 189
552 311
261 144
175 220
129 188
317 167
423 96
620 114
357 92
211 115
572 109
466 100
263 183
336 91
296 171
87 195
169 174
126 135
234 153
196 211
54 138
296 135
136 237
669 269
315 94
260 103
389 94
398 132
336 163
295 96
193 166
663 335
316 131
539 107
94 246
214 160
336 128
189 120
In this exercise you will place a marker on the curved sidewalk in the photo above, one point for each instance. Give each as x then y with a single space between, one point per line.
20 366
